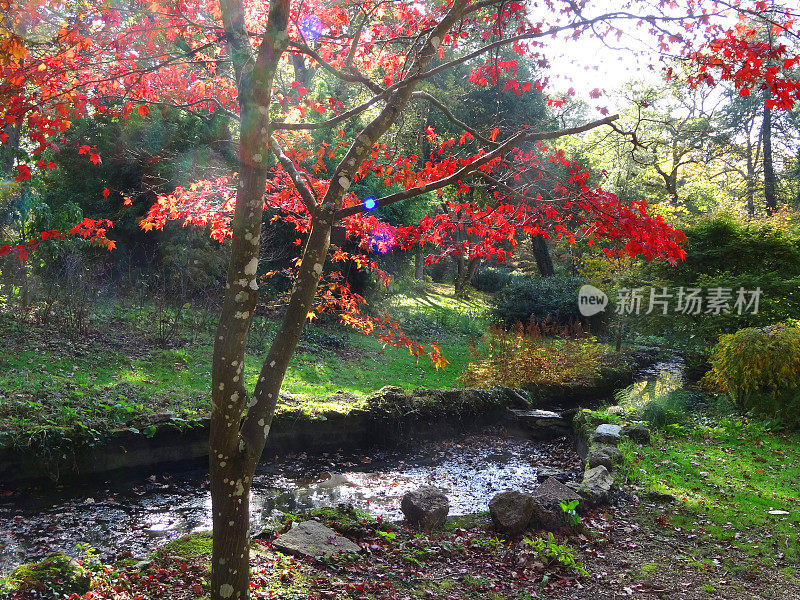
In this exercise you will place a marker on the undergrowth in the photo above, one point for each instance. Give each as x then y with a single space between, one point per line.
515 358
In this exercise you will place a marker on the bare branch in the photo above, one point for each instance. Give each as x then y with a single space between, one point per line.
501 149
446 112
356 110
306 194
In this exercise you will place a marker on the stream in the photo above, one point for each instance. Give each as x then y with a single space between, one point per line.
132 517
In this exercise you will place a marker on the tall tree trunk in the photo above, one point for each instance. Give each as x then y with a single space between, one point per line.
419 264
301 72
542 255
8 150
472 268
231 461
240 425
797 179
750 183
461 274
770 201
466 271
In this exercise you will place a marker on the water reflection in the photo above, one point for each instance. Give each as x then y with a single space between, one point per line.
137 516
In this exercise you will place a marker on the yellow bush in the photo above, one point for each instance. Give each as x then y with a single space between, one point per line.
759 369
516 358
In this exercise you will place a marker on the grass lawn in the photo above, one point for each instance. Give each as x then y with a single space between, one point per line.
735 484
117 374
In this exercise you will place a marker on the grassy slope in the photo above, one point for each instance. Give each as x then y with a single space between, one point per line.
116 375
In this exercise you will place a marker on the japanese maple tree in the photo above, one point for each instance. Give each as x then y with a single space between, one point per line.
255 62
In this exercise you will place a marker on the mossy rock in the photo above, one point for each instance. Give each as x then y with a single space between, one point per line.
55 576
348 521
189 546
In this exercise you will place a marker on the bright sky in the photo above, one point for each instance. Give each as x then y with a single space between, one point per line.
589 62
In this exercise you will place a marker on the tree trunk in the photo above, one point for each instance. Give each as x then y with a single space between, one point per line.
419 264
231 462
237 437
797 179
8 150
750 184
542 255
770 201
301 72
472 268
466 271
461 274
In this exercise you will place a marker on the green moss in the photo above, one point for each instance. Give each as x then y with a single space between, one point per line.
126 563
467 521
194 544
349 521
56 575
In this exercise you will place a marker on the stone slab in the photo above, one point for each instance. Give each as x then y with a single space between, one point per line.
312 538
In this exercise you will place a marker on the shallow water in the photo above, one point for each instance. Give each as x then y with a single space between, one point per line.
135 516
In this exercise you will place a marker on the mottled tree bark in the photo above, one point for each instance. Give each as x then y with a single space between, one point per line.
240 423
230 458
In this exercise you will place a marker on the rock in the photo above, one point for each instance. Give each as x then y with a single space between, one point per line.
659 497
604 454
517 397
425 508
562 476
637 433
542 423
342 396
547 498
312 538
596 487
390 393
511 511
616 410
155 419
58 574
607 434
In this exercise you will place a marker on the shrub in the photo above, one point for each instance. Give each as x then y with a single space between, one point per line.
722 252
759 370
493 279
537 300
514 359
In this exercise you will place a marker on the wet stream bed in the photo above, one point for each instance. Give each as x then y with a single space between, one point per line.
133 517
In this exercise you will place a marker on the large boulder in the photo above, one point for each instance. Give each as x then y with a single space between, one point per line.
511 511
547 499
607 434
604 454
597 486
425 508
312 539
